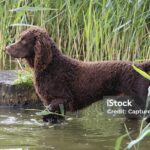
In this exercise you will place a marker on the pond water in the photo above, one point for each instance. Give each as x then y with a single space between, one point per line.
91 130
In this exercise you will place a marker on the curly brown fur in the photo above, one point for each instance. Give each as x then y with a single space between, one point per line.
76 84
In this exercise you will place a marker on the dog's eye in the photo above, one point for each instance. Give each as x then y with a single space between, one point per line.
24 42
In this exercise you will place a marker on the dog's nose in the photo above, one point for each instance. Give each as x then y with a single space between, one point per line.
6 48
9 47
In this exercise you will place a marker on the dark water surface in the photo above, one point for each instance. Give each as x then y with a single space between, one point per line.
91 130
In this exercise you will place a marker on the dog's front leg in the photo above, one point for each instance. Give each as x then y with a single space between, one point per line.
56 106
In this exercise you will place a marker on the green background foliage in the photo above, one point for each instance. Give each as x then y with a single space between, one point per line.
87 29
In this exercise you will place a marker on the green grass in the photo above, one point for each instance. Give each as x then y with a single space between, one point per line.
134 143
88 29
24 78
144 129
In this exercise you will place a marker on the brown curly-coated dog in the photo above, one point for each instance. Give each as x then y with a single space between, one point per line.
76 84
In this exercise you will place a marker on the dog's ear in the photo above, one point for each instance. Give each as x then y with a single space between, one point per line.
43 52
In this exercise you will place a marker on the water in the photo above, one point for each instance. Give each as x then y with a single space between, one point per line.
22 130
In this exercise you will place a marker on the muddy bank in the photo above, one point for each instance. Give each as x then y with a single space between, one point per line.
14 95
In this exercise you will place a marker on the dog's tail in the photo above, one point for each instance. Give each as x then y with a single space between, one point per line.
145 66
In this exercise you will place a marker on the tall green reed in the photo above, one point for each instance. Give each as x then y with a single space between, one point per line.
88 29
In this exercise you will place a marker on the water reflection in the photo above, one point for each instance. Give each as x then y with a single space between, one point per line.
90 131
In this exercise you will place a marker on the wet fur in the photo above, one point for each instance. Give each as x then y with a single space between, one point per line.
60 79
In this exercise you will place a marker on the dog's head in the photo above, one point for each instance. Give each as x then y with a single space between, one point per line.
34 45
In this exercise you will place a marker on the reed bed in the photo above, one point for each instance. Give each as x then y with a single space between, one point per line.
87 30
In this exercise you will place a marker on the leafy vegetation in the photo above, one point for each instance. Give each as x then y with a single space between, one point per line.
141 72
144 130
24 77
87 29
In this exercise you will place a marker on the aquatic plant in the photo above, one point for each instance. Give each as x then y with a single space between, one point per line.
144 130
